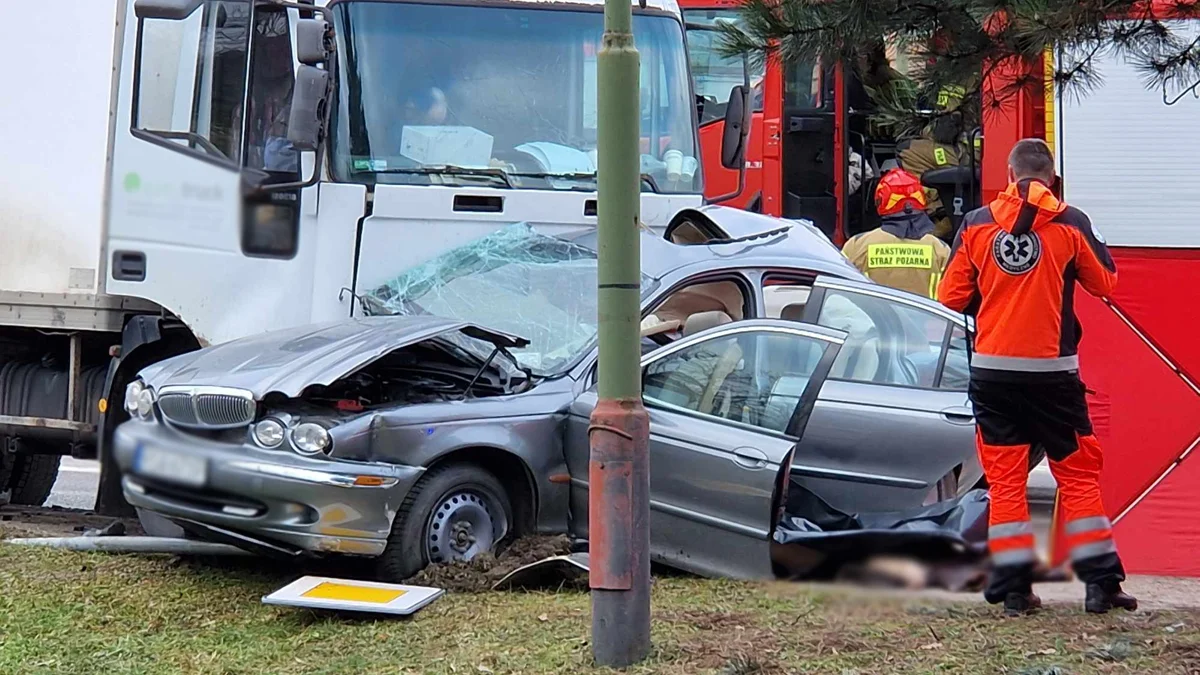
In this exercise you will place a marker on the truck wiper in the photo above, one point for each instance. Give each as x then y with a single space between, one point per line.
581 175
448 170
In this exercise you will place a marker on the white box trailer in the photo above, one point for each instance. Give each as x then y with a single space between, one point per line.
56 324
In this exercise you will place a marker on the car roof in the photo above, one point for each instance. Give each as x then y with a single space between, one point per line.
752 240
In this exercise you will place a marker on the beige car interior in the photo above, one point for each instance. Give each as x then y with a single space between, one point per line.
728 359
859 359
713 296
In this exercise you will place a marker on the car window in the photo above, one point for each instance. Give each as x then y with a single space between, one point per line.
785 301
691 309
957 371
889 342
754 378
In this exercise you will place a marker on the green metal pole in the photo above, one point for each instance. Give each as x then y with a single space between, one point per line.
619 471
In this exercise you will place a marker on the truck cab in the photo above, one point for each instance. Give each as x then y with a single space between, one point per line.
271 161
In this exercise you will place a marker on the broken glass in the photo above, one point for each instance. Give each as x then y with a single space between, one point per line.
515 281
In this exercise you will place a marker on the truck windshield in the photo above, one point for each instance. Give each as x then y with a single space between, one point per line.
502 97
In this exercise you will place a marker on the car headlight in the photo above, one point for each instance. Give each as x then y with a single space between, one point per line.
269 433
139 400
310 438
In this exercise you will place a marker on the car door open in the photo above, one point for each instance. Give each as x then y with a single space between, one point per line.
726 408
892 427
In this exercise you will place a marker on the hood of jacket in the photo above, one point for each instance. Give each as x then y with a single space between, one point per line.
1026 205
907 225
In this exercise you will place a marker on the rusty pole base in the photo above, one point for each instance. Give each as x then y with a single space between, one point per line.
619 532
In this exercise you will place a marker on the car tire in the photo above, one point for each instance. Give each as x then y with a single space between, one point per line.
32 478
446 517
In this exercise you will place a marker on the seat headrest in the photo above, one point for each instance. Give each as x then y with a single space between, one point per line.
792 312
701 321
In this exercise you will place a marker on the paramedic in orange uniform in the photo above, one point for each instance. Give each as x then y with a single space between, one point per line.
1014 266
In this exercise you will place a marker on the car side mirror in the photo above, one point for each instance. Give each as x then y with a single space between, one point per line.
733 145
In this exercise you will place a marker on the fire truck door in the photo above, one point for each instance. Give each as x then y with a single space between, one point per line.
809 187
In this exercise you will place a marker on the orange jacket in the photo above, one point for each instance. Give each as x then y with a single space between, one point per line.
1014 265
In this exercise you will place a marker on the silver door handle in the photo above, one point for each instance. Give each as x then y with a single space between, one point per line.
959 415
751 458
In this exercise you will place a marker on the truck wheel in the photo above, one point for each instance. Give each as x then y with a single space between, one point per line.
32 478
453 513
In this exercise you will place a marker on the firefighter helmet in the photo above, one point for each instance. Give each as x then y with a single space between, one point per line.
897 192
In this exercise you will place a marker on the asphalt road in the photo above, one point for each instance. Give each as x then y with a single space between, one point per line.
76 484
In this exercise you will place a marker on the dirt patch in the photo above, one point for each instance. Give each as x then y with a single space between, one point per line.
478 575
735 643
53 521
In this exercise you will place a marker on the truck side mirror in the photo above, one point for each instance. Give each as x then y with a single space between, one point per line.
309 101
733 140
311 45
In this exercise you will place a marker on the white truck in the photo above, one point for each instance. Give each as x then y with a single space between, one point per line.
267 161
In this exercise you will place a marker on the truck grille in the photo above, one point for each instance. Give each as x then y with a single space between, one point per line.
206 407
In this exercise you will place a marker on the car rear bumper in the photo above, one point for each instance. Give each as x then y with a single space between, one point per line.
268 497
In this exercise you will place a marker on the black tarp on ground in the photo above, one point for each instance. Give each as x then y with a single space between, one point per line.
815 540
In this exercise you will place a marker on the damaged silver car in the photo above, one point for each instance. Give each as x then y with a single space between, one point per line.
454 413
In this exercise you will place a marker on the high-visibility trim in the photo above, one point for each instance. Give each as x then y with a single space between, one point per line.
1089 524
1025 364
1092 550
1016 556
1004 530
898 255
934 280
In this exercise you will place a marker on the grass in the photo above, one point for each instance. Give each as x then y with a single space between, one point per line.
64 612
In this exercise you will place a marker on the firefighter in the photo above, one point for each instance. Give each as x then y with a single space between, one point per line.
1014 266
903 253
941 144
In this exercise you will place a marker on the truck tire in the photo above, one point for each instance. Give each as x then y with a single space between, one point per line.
441 518
32 479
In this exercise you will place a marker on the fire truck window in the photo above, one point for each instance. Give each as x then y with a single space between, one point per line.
714 76
805 87
191 76
272 77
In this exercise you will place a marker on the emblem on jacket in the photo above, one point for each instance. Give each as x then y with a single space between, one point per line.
1016 254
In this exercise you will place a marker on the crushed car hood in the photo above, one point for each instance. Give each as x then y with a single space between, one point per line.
291 360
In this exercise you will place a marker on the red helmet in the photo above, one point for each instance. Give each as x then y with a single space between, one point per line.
897 191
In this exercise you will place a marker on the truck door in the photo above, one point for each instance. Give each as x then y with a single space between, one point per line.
202 111
810 164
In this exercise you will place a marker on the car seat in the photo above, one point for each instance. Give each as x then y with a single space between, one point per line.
726 360
859 359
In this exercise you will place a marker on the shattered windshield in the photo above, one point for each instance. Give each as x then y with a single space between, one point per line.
458 94
514 281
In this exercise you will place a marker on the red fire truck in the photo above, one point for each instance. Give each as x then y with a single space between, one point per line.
1125 154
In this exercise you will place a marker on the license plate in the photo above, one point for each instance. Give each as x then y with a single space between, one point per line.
172 467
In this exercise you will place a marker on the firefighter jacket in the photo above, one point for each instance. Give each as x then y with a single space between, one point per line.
902 253
922 154
1014 265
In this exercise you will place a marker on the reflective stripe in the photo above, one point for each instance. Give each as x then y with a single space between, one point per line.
1029 365
1096 548
1005 530
1090 524
935 279
1017 556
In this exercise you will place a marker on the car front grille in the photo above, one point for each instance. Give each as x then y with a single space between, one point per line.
206 408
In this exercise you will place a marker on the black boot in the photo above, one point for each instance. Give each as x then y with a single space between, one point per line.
1016 604
1103 597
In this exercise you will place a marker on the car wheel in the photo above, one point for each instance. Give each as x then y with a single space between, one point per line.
453 513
